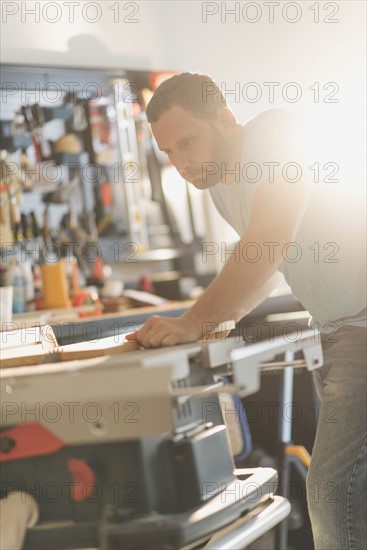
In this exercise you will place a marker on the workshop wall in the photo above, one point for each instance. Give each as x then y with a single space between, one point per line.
207 37
213 37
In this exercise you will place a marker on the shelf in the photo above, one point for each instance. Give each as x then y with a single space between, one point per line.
39 188
52 113
159 254
71 159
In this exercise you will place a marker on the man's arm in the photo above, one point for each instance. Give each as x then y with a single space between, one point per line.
277 212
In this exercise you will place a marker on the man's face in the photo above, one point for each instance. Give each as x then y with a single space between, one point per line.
195 146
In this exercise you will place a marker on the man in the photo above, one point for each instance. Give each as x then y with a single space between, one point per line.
261 181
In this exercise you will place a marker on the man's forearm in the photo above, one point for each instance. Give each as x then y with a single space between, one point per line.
240 286
277 212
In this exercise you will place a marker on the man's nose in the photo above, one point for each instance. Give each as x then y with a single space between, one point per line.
184 167
181 162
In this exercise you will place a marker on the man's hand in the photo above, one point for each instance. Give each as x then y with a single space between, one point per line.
167 331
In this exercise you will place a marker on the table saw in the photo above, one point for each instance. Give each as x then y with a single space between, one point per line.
132 450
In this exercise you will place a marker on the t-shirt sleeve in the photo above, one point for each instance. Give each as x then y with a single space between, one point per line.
279 145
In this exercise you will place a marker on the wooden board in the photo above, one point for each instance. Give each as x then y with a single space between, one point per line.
38 346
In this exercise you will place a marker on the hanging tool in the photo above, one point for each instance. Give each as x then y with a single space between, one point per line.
31 127
39 120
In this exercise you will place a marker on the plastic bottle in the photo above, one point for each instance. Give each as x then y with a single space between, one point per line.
26 268
55 286
38 288
19 303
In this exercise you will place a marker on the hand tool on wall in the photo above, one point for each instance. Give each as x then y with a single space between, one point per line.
39 120
31 127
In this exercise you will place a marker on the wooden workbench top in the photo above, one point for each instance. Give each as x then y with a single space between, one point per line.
70 315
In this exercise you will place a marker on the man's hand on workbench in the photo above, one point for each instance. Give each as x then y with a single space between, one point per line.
167 331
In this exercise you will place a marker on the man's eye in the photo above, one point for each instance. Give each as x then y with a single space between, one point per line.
188 141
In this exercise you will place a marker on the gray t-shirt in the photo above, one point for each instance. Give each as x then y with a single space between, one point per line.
326 265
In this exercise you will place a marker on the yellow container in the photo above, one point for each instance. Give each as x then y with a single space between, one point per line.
55 285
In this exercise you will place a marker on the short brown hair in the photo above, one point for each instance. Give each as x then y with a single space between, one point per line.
195 92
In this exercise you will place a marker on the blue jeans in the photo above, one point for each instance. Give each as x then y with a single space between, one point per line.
336 482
